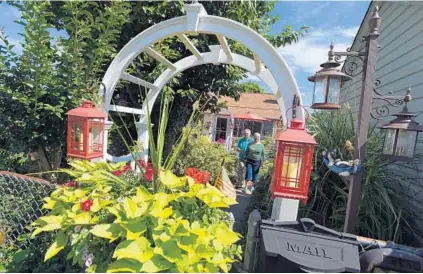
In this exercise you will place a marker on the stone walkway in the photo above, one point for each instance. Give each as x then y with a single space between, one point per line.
238 210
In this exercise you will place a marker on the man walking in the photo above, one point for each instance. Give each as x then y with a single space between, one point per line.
242 147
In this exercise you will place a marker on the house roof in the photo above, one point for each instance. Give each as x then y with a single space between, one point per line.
264 105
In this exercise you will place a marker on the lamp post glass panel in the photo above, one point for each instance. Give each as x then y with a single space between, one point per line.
85 132
327 84
293 164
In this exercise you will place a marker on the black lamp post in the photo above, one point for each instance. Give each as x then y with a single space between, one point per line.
401 133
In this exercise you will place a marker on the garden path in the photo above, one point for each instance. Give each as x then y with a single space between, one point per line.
238 210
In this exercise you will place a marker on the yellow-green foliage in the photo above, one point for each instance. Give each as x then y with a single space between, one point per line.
180 229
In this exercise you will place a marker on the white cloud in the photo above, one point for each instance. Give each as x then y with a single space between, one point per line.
348 32
312 49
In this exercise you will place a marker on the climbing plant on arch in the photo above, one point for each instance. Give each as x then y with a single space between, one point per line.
267 64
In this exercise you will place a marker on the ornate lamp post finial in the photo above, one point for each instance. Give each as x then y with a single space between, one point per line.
331 53
374 22
407 99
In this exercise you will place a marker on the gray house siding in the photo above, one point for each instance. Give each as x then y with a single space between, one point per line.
399 66
400 58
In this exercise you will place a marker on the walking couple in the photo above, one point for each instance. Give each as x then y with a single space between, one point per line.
251 157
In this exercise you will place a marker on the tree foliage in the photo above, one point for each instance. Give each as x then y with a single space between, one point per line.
189 85
251 87
52 76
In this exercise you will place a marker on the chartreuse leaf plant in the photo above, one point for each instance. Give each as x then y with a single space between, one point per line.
103 227
113 219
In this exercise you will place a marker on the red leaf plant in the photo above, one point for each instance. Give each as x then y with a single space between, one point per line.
72 184
121 171
200 177
148 170
86 205
144 165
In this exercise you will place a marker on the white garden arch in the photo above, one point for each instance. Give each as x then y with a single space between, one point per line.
276 73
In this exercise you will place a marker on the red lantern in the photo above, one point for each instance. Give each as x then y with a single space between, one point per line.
85 132
294 162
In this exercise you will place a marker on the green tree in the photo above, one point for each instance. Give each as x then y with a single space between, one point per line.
50 77
189 85
251 87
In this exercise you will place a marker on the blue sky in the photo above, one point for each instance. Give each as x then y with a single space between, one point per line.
330 21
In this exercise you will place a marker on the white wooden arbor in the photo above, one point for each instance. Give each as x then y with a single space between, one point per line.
268 64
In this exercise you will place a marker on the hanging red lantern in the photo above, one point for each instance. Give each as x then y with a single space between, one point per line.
293 163
85 132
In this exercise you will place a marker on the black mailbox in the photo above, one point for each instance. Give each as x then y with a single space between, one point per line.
306 247
388 260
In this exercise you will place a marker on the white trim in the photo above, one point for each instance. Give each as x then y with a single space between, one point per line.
257 62
126 109
225 45
160 58
138 81
189 45
194 11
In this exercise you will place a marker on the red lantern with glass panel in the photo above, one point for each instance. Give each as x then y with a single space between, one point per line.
293 163
85 132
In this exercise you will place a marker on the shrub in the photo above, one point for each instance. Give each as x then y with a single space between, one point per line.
205 155
106 224
18 258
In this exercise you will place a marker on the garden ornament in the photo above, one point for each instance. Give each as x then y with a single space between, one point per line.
340 167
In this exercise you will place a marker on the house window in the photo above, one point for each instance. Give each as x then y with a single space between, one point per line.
267 128
221 126
255 126
240 125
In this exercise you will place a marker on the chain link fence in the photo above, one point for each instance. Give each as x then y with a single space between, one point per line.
21 201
